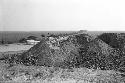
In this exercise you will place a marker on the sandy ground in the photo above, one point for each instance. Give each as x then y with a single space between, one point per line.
14 47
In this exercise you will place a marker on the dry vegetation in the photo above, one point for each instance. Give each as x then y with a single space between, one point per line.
41 74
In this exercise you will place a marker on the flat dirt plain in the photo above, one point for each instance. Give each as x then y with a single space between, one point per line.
40 74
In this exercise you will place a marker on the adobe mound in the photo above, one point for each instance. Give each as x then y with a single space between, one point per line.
100 56
59 52
116 41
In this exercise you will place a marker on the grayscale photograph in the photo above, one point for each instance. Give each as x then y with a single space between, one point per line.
62 41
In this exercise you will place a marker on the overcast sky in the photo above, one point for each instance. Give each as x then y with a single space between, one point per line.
30 15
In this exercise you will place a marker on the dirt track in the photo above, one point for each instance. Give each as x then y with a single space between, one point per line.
14 47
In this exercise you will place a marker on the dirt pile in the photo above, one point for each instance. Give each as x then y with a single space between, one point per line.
100 56
59 52
117 42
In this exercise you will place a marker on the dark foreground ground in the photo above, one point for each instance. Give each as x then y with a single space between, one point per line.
41 74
